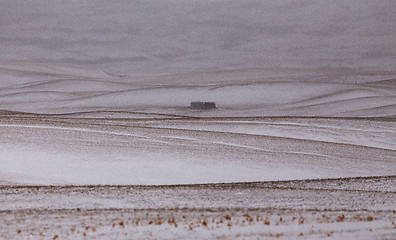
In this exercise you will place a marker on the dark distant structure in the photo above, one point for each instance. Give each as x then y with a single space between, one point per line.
203 105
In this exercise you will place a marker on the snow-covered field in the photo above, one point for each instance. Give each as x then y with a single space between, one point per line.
97 140
44 150
352 208
76 150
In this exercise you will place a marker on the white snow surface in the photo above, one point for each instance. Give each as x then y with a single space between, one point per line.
67 125
251 92
158 151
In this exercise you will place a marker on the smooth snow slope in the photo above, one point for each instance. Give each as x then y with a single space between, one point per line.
146 36
42 150
53 89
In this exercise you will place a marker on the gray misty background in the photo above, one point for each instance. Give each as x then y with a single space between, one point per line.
152 36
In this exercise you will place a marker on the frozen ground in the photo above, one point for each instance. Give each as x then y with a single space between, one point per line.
349 208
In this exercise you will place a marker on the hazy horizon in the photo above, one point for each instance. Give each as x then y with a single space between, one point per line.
142 37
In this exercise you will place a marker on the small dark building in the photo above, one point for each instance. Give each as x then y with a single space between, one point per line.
203 105
209 105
